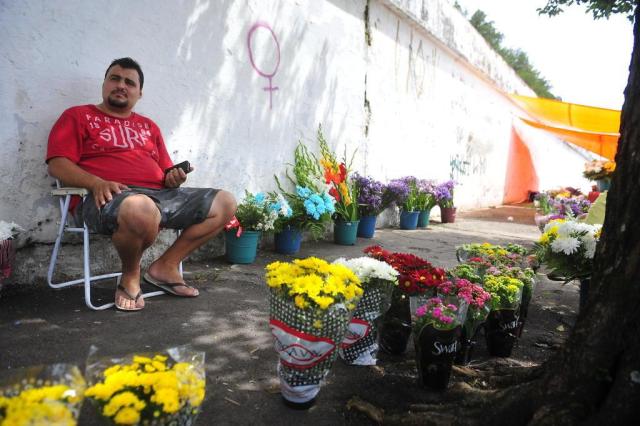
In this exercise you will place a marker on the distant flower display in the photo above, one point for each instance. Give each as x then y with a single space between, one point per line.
444 193
599 169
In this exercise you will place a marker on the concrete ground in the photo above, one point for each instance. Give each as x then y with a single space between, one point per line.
229 322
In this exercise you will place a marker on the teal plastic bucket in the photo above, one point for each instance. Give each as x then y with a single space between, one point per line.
345 233
242 249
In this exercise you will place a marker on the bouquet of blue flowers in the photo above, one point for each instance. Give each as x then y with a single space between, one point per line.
311 205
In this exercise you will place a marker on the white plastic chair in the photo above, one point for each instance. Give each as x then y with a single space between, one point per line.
65 194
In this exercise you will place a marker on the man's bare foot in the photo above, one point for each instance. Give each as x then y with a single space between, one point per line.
170 275
128 294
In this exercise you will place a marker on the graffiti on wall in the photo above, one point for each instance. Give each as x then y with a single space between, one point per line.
416 63
416 68
264 54
472 162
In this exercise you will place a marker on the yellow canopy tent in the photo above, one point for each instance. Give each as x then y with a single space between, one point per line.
594 129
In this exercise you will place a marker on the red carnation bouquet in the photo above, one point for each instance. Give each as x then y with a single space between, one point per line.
417 276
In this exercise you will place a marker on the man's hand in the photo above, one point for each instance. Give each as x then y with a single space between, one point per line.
103 191
175 177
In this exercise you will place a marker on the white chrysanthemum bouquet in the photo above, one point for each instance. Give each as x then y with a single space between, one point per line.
360 344
369 269
567 247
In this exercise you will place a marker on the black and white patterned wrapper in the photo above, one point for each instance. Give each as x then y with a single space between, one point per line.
306 353
360 344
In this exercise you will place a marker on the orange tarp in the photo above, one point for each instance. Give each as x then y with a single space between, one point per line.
521 174
594 129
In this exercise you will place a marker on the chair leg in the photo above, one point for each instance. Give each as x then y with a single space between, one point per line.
56 245
87 274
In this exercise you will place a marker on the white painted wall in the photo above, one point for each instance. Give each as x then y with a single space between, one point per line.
433 85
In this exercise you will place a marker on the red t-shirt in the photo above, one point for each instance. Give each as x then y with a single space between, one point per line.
130 151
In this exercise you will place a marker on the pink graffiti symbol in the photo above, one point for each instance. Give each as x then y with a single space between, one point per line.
264 74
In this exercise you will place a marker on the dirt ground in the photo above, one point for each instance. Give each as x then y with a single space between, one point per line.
229 322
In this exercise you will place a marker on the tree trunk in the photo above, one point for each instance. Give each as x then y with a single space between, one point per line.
595 379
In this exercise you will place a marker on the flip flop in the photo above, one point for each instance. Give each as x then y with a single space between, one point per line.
166 287
130 297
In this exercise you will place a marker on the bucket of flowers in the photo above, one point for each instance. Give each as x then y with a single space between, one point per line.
527 276
164 388
512 255
567 248
41 395
370 203
477 300
256 214
311 302
601 171
444 197
8 232
436 334
426 200
501 328
418 280
360 345
343 190
403 192
310 203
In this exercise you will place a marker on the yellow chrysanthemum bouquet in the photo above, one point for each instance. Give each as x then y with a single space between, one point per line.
310 308
503 323
154 389
43 395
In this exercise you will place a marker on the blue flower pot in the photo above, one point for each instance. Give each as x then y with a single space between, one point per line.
242 249
288 241
423 218
409 220
345 233
603 184
367 226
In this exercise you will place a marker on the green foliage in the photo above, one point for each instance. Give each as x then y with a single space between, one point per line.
516 58
305 168
598 8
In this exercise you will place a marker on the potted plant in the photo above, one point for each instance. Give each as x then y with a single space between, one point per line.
477 300
311 205
418 280
403 193
41 395
370 203
360 345
311 302
343 190
501 328
8 232
255 214
601 171
567 248
426 200
444 198
436 332
527 276
148 388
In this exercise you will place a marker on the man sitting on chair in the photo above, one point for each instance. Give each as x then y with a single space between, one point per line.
119 156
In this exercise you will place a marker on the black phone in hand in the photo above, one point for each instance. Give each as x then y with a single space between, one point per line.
185 166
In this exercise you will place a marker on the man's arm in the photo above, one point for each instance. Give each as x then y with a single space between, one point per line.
65 170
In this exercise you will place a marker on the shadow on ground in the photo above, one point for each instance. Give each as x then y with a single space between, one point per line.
229 322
